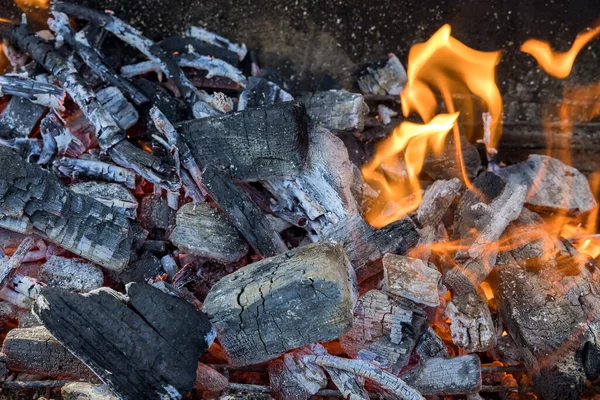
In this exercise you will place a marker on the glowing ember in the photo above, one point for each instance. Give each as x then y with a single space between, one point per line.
556 63
411 141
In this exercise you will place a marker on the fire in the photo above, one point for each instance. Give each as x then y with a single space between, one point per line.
411 141
35 9
556 63
444 67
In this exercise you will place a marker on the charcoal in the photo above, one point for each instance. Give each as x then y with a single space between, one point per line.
35 202
208 379
201 230
92 169
387 79
58 139
385 114
117 105
590 357
86 391
206 36
180 44
436 200
445 376
336 110
446 165
385 330
553 186
284 302
431 345
10 265
471 323
292 379
507 350
169 105
111 194
19 118
35 91
71 274
412 279
143 345
253 144
243 213
143 269
35 351
155 215
260 92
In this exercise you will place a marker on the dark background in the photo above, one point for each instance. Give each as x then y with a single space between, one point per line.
309 42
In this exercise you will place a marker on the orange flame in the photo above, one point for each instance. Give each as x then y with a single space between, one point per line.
556 63
35 9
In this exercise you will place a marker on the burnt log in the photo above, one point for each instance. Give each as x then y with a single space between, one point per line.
116 104
431 345
253 144
336 110
201 230
243 213
293 379
438 197
471 323
34 202
111 194
388 78
385 330
260 92
281 303
35 351
71 274
86 391
412 279
143 346
35 91
445 376
19 118
93 169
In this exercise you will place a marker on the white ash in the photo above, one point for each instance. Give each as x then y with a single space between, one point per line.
72 274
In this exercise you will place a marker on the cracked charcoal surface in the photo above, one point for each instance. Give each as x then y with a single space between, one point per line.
280 303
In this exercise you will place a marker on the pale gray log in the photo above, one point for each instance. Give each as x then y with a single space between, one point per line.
323 192
552 185
436 200
143 346
35 91
336 110
445 376
117 105
389 79
200 229
471 323
214 39
385 330
35 202
87 168
71 274
35 351
412 279
86 391
280 303
111 194
431 345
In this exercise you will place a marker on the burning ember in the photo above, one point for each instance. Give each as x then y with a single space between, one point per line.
176 223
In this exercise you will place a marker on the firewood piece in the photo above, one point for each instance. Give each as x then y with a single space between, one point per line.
446 164
63 142
280 303
180 44
9 265
143 346
214 39
431 345
336 110
173 108
550 310
479 223
388 381
155 215
260 92
144 269
293 379
552 185
412 279
27 286
385 330
35 91
252 144
209 379
86 391
36 351
590 357
35 202
201 230
507 351
78 42
134 38
71 274
19 118
471 323
85 168
323 192
388 79
436 200
110 137
445 376
111 194
116 104
243 213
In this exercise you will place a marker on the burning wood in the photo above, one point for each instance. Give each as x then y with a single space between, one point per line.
33 90
412 279
336 110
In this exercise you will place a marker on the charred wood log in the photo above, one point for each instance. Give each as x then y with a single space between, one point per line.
93 169
243 213
253 144
436 200
280 303
86 391
412 279
35 351
180 44
336 110
446 165
58 140
143 345
445 376
111 194
116 104
71 274
35 202
19 118
291 378
144 269
201 230
260 92
37 92
389 78
471 323
431 345
216 40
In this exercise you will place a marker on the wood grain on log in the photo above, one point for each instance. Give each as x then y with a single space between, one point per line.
412 279
143 346
253 144
336 110
280 303
35 202
436 200
471 323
